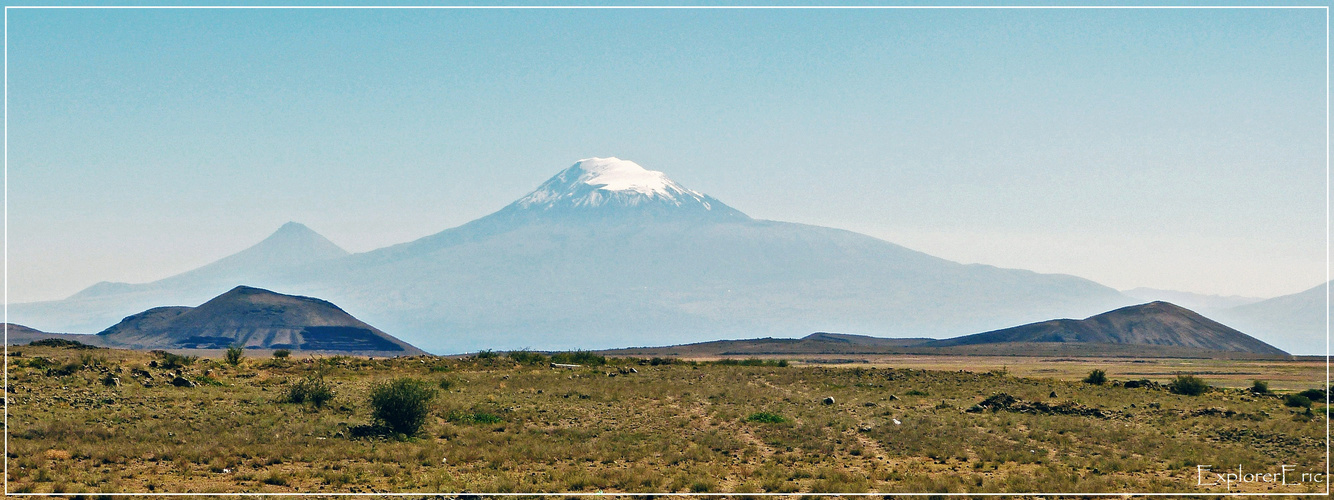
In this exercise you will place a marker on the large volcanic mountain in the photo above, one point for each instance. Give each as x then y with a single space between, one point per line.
254 318
606 254
1154 323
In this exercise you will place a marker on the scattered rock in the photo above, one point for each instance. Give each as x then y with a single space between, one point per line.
1144 383
893 397
182 382
829 400
1052 395
1006 402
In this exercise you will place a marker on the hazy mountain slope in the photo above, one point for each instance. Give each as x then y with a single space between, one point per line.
254 318
1295 323
1155 323
293 247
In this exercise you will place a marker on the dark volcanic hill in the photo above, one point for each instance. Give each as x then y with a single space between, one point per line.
255 318
1154 323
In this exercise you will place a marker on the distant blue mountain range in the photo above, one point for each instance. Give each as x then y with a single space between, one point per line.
609 254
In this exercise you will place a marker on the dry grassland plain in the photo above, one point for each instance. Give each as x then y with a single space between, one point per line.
907 424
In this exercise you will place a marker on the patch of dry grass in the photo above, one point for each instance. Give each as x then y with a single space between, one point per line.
503 426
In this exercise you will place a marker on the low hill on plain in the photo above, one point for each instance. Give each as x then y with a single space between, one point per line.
255 318
1152 324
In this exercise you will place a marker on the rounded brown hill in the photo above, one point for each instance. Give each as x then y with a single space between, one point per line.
255 318
1151 324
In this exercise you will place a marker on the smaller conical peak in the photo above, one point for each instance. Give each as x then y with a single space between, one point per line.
294 228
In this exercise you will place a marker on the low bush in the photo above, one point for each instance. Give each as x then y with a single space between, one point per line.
527 357
1096 377
1297 401
487 354
916 392
663 361
402 404
474 417
313 390
64 370
67 344
37 362
281 354
1188 385
578 358
1314 394
171 361
765 417
88 359
1260 387
233 355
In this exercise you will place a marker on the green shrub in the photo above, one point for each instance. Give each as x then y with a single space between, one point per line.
1314 394
281 354
1297 401
313 390
68 344
1096 377
446 383
474 417
1188 385
233 356
487 354
528 357
64 370
578 358
765 417
88 359
170 361
1260 387
663 361
916 392
402 404
37 362
276 479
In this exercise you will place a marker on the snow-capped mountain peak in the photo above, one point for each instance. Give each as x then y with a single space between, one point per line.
615 174
610 182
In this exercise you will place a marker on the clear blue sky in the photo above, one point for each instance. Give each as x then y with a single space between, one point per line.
1180 149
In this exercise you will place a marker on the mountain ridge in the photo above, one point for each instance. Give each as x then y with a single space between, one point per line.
674 266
